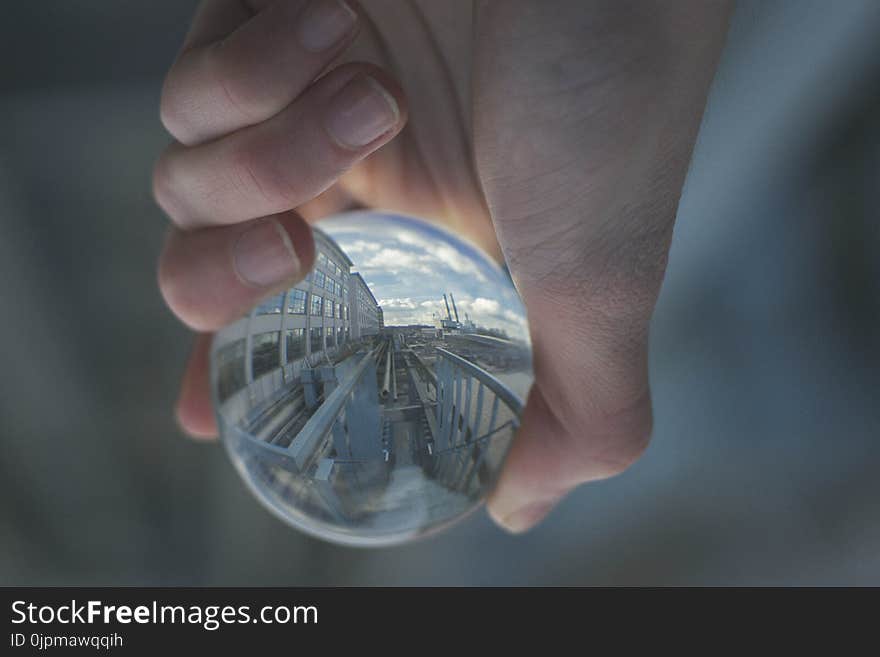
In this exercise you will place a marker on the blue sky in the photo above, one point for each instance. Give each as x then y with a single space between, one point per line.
409 264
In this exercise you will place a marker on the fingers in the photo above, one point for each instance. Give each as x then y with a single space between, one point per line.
238 70
211 277
287 160
195 413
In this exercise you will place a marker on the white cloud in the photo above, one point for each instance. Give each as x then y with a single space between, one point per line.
388 304
361 246
481 306
515 318
396 261
402 316
442 252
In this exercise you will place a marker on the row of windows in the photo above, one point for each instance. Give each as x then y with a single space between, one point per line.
266 354
328 308
331 267
297 303
324 282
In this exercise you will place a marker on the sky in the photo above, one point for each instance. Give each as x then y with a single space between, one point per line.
408 265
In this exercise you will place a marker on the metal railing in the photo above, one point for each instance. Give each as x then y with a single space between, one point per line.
347 422
475 413
341 457
351 403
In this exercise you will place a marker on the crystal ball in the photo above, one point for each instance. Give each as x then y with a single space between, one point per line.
374 401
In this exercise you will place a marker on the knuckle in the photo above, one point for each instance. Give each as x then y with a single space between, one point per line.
598 446
253 173
221 69
622 439
172 112
161 183
626 452
165 192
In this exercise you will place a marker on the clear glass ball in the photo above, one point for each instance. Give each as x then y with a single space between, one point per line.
375 401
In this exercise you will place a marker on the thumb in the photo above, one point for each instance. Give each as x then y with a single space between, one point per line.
574 429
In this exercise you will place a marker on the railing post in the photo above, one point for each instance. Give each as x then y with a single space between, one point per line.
327 373
310 387
466 434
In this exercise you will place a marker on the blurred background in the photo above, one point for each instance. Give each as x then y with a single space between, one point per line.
765 463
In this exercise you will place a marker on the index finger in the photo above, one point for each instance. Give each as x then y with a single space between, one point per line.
237 69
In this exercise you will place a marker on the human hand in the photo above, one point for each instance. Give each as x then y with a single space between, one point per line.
571 148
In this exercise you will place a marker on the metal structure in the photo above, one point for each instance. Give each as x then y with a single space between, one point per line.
332 444
450 324
464 430
454 309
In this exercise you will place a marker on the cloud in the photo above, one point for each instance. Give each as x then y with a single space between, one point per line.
395 261
389 304
403 316
515 318
409 269
481 306
442 253
360 246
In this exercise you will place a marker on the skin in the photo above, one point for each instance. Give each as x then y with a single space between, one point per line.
555 135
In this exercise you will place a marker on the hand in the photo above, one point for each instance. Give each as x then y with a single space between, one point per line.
555 133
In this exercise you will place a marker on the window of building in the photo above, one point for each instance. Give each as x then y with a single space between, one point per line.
329 331
230 369
272 305
265 356
296 344
329 308
337 270
322 260
320 279
339 308
296 302
340 335
317 305
316 339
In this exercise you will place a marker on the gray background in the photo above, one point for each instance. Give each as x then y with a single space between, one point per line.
765 349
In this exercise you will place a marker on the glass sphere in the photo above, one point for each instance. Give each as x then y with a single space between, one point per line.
375 401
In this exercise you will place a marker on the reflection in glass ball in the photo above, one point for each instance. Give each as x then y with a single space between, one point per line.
375 400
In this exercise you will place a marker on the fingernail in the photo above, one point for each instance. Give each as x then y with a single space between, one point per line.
324 24
527 517
263 255
361 113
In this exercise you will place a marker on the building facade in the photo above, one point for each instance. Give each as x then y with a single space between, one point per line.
364 308
289 330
